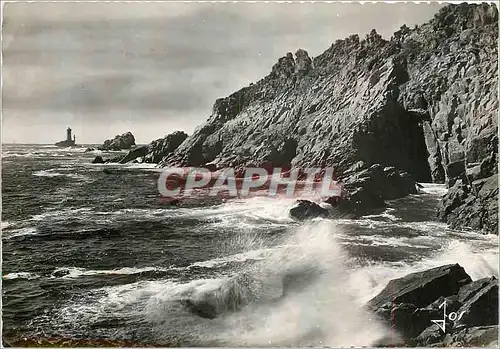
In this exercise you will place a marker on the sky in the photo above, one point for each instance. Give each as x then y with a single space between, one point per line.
153 68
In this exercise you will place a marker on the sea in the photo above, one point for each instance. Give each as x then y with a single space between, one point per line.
91 251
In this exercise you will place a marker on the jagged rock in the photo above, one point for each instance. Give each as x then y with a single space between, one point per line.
305 209
369 188
422 288
423 102
481 336
474 205
120 142
431 335
98 160
163 147
409 304
114 160
303 63
135 153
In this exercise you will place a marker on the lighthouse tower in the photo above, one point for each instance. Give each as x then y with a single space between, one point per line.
69 142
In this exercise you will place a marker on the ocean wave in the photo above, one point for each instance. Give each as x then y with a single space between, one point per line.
385 215
12 233
53 173
434 189
73 272
6 224
252 255
60 213
240 211
20 275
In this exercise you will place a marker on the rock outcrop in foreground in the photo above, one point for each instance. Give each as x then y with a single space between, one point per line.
409 304
120 142
424 102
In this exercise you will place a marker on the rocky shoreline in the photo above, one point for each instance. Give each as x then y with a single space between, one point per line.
424 103
409 304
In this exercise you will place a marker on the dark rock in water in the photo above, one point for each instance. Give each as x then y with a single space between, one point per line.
175 202
60 273
405 318
107 171
120 142
203 309
89 150
98 160
422 288
480 303
409 305
305 209
431 335
367 101
135 153
366 190
230 296
163 147
473 205
369 188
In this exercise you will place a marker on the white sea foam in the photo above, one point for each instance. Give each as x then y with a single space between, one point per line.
244 213
433 188
20 275
19 232
64 213
53 173
326 313
478 261
72 272
6 224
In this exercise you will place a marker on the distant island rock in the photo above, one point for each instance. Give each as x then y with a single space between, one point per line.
120 142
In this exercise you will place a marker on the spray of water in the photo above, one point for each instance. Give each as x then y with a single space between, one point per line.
315 309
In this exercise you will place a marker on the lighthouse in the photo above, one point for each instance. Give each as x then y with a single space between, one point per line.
69 142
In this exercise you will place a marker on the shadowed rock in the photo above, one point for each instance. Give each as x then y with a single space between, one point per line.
120 142
375 101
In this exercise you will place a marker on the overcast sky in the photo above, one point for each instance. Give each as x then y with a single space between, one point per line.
152 68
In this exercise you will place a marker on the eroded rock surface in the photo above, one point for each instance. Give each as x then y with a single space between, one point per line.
409 304
120 142
424 102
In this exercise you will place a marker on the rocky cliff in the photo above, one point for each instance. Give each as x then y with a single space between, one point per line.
424 102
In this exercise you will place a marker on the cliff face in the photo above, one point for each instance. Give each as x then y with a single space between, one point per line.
424 102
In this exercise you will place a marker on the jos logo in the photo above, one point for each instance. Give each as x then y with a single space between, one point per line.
451 316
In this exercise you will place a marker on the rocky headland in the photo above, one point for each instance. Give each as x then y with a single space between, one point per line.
422 105
120 142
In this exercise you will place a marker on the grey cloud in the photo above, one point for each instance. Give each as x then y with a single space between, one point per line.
92 60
